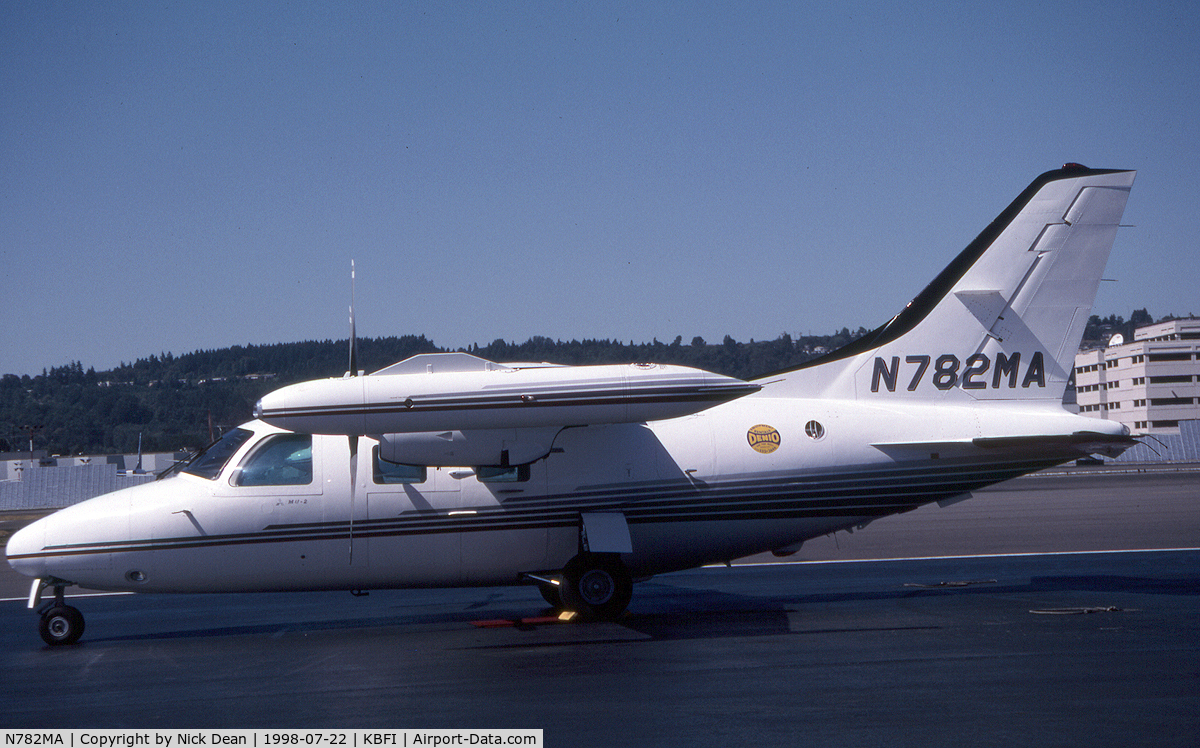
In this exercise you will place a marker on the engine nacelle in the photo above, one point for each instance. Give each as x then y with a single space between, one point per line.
472 447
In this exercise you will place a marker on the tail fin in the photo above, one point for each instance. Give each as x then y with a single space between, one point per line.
1003 321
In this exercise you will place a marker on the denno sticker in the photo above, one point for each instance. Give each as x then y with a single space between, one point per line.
763 438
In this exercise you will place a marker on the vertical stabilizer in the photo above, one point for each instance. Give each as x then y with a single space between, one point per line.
1003 321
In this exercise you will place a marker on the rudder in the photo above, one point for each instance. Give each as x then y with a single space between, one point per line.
1003 321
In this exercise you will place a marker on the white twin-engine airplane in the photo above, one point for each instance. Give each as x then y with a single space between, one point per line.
449 470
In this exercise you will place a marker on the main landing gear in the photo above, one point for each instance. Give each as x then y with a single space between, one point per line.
593 586
597 586
60 623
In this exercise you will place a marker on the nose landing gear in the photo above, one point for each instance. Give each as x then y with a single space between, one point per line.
60 623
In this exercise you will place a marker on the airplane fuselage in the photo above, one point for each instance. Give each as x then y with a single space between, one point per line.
754 475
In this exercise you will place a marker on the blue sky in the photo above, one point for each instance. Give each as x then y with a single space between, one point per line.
184 176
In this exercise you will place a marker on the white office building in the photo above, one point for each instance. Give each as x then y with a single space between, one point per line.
1150 385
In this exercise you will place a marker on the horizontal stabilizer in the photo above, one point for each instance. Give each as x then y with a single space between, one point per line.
1084 442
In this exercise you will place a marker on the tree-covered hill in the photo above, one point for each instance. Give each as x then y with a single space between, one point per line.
172 402
180 402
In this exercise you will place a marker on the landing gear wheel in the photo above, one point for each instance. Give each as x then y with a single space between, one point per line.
60 625
597 586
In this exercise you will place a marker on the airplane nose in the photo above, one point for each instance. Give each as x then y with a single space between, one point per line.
24 548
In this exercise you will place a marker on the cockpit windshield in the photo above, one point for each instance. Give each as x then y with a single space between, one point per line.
208 463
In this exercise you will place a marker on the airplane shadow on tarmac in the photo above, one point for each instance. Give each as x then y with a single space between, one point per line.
670 612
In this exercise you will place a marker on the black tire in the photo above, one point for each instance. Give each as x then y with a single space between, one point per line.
550 593
60 625
596 586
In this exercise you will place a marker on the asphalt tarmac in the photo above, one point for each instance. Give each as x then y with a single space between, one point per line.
1083 628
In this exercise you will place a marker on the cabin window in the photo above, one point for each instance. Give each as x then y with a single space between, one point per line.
815 430
1178 379
210 460
1157 357
393 472
514 474
281 460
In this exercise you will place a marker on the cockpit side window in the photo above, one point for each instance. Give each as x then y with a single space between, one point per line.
210 460
281 460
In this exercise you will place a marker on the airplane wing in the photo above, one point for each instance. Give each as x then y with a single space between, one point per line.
429 400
